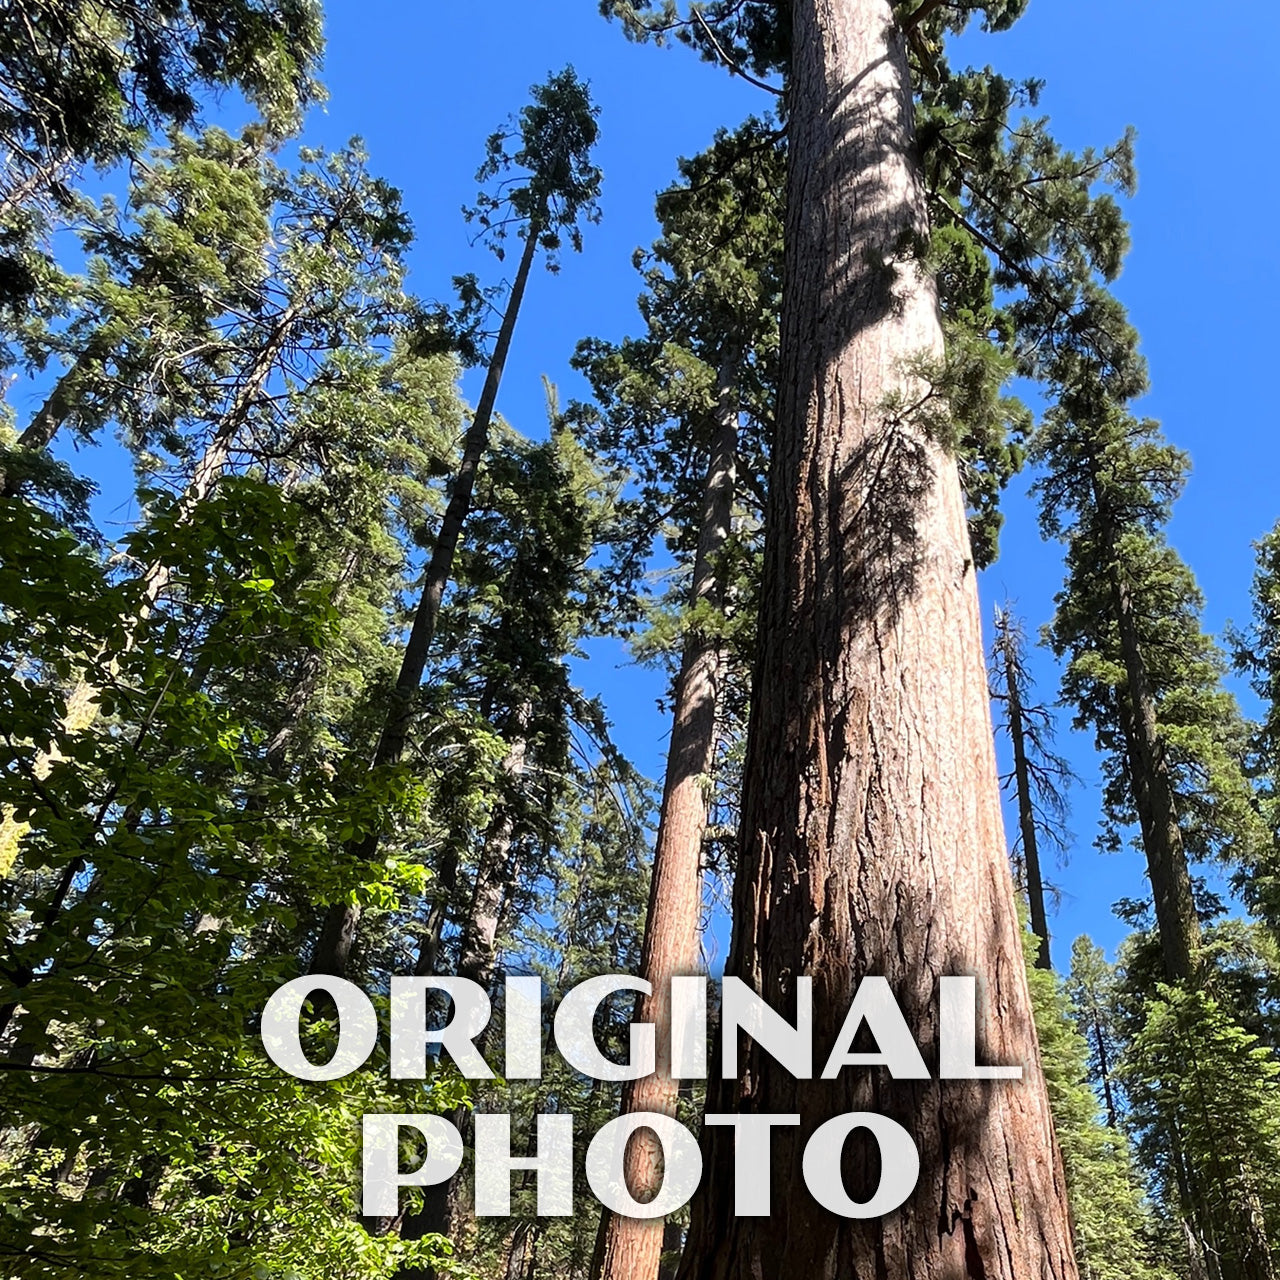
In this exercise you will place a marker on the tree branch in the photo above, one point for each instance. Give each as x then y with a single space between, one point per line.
734 68
918 15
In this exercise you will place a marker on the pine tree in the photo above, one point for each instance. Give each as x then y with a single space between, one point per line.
556 131
1140 670
175 836
526 596
329 275
1090 988
1111 1224
1257 655
1206 1106
87 85
1038 774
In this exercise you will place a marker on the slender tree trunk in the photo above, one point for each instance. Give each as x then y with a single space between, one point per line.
333 947
1026 808
1153 794
1104 1072
478 945
442 1209
217 454
518 1248
672 1240
59 405
446 885
871 839
36 183
633 1246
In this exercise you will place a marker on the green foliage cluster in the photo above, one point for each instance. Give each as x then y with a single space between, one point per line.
192 711
1115 1230
189 708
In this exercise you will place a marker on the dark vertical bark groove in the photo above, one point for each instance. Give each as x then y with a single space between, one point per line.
871 839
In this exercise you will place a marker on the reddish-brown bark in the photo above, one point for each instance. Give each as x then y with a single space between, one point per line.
871 839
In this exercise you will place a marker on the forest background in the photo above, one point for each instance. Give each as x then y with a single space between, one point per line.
241 678
1200 310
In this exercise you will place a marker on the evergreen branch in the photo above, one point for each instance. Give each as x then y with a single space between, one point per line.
917 16
733 67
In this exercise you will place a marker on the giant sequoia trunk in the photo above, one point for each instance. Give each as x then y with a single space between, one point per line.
871 838
632 1247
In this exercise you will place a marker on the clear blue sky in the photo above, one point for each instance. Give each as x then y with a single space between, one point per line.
425 83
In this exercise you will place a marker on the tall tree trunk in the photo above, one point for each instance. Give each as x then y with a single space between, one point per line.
672 1240
333 947
1104 1072
633 1246
871 839
444 887
1153 794
1026 805
478 944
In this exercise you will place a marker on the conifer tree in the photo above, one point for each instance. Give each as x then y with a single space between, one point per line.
525 598
1257 654
173 839
1112 1226
1038 774
1090 988
326 274
1206 1106
192 245
558 188
691 404
84 86
88 84
1140 671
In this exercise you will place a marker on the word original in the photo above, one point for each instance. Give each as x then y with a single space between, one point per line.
741 1009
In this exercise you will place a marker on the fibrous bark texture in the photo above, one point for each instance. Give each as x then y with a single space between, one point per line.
871 838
